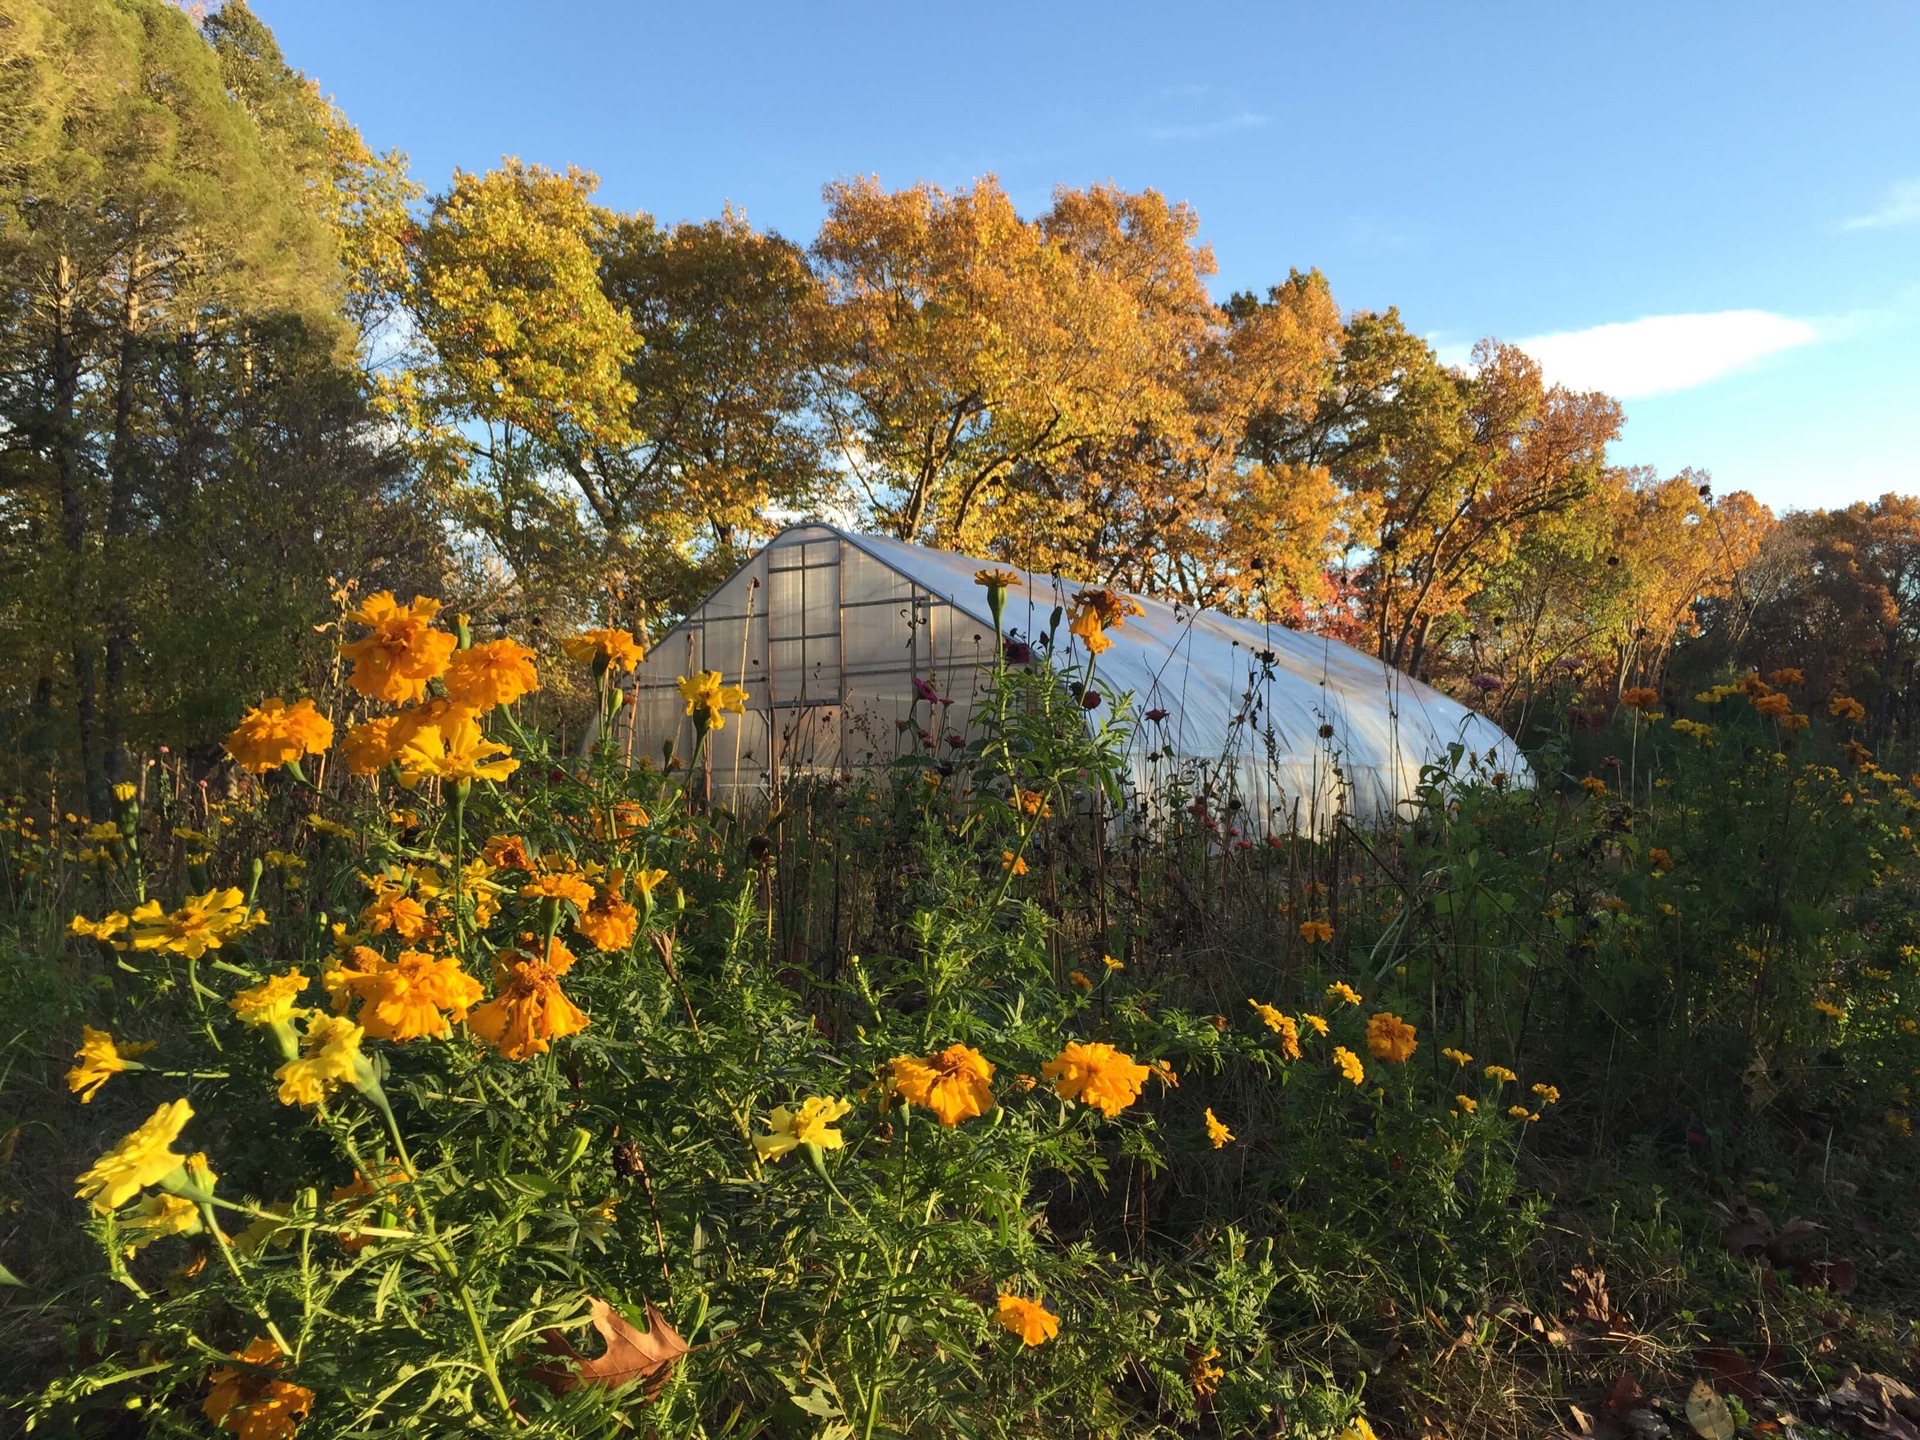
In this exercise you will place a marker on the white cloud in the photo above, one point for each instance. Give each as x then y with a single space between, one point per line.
1664 353
1899 206
1208 129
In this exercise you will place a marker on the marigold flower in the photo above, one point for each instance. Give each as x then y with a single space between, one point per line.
1030 1320
1032 803
1549 1095
1203 1374
1096 1074
605 649
401 652
1593 785
275 734
811 1124
496 673
1340 990
559 885
1466 1104
528 1012
1282 1025
398 912
506 852
247 1401
1640 698
995 579
458 754
370 746
1349 1064
954 1083
155 1218
1315 932
1520 1112
1845 707
100 1059
1318 1025
610 923
1162 1071
201 923
710 699
271 1002
329 1058
1217 1132
1013 864
1659 859
1500 1073
143 1158
1458 1057
1827 1007
1110 606
107 929
1112 965
1085 623
1772 705
1390 1038
404 1000
1078 979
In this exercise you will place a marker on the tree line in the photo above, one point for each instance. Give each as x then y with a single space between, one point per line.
244 358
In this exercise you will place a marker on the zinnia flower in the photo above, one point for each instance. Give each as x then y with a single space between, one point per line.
1029 1319
155 1218
496 673
528 1012
141 1159
200 924
269 1003
1096 1074
1315 932
404 1000
955 1084
809 1125
247 1401
100 1059
1390 1038
1349 1064
329 1058
605 649
401 652
276 734
1217 1132
609 922
710 699
458 755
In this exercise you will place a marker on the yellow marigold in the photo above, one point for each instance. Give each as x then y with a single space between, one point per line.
1085 623
954 1083
155 1218
329 1058
710 699
1549 1095
1281 1025
1078 979
506 852
270 1002
401 651
496 673
528 1012
1349 1064
1845 707
1458 1057
1096 1074
610 923
559 885
1112 965
1466 1104
1110 607
400 913
275 734
811 1124
996 579
1162 1071
1593 785
141 1159
370 746
1390 1038
605 648
1032 803
1204 1375
646 882
100 1059
418 995
456 755
108 929
1030 1320
201 923
1315 932
246 1400
1500 1073
1520 1112
1217 1132
1318 1025
1340 990
1013 864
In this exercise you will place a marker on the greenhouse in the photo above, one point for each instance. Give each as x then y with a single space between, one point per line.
855 650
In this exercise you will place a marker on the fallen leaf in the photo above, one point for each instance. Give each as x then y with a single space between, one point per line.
647 1356
1835 1275
1708 1414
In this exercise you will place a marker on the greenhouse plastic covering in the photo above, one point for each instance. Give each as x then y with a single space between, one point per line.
828 631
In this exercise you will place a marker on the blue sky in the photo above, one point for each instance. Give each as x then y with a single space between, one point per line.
1744 179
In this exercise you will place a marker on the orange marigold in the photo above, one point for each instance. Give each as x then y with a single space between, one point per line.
529 1012
1775 704
609 922
605 648
506 852
559 885
246 1400
955 1083
1845 707
1390 1038
496 673
1640 697
401 651
1315 932
1096 1074
404 999
371 746
275 733
1029 1319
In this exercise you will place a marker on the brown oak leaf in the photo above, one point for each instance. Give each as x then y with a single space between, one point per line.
647 1356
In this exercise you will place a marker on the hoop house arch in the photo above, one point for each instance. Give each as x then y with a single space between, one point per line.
839 639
